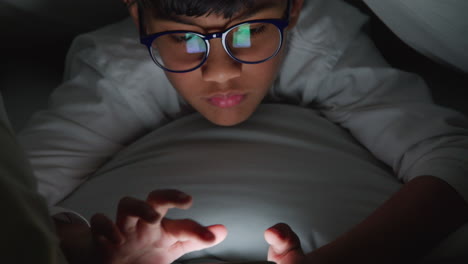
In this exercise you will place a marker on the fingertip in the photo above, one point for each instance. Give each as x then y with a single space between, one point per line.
208 236
270 236
184 201
282 230
185 204
218 227
181 196
220 232
278 235
170 198
204 233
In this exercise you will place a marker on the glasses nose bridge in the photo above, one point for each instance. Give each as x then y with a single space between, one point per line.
214 35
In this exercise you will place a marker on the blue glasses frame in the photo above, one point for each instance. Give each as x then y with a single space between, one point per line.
279 23
147 40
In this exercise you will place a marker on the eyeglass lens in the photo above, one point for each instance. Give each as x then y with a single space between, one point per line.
247 43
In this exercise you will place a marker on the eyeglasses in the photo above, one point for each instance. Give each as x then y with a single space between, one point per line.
249 42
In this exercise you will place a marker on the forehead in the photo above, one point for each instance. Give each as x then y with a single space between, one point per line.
218 13
260 6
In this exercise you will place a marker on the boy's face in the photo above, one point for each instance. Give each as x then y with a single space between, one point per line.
224 91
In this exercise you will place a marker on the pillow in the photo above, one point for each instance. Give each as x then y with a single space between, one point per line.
437 29
285 164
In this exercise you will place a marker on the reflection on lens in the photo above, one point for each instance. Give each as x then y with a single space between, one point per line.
253 42
179 51
195 44
242 37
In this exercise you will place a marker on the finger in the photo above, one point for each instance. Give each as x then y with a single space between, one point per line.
107 249
192 236
103 226
130 210
283 242
163 200
186 229
220 233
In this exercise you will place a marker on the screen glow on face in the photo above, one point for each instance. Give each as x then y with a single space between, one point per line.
195 44
242 37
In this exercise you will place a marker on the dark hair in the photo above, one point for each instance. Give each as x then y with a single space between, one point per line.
195 8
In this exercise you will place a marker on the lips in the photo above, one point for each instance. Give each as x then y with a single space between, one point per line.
226 100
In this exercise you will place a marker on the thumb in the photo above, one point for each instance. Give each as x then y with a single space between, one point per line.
191 240
285 246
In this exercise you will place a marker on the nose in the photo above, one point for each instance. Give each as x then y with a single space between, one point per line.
220 67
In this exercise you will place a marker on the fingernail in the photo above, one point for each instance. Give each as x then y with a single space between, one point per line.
182 196
282 231
208 235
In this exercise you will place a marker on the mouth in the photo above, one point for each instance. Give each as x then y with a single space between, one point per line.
226 100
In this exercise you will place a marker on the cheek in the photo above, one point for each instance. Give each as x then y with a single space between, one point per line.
184 83
264 74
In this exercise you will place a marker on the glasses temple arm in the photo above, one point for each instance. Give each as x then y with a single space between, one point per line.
141 25
288 10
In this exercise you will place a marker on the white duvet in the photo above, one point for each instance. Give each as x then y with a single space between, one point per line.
286 164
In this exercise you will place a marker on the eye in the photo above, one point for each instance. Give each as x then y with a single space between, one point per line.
182 38
257 29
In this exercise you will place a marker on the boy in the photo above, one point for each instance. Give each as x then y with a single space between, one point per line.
328 65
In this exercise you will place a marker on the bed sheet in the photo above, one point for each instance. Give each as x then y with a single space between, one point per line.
285 164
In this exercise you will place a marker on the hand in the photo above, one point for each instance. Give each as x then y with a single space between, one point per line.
285 246
142 234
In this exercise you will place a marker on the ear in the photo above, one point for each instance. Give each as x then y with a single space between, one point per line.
132 10
296 7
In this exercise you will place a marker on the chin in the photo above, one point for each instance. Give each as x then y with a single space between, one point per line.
228 121
228 117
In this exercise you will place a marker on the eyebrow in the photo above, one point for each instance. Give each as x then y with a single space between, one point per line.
243 16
